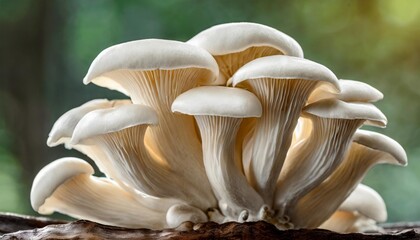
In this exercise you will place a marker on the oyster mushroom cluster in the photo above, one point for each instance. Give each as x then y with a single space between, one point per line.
232 125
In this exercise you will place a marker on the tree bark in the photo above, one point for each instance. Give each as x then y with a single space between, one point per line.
10 222
22 86
42 228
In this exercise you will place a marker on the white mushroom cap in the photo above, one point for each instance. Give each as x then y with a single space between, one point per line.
66 186
45 183
351 91
355 91
180 213
284 67
333 108
63 128
235 37
235 44
367 202
392 151
218 101
148 54
113 119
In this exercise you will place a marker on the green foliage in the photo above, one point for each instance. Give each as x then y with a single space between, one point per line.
10 188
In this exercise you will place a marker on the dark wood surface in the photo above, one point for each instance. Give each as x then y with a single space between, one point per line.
26 227
10 222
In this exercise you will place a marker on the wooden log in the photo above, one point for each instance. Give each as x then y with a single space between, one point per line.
10 222
251 230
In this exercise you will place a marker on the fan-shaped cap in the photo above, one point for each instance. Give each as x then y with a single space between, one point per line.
67 186
337 109
393 151
105 121
284 67
235 37
64 126
367 202
150 54
45 182
218 101
351 91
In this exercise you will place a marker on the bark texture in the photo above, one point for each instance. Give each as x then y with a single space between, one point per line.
42 228
10 222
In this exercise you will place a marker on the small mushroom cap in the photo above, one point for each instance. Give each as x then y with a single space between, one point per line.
180 213
284 67
337 109
235 37
355 91
64 126
150 54
367 202
351 91
53 175
393 151
218 101
109 120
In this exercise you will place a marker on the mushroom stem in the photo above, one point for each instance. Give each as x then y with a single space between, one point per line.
243 145
303 130
313 159
229 185
333 191
282 102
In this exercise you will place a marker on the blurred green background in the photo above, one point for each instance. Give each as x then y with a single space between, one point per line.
46 48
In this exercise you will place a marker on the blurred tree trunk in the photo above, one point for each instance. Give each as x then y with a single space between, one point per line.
22 84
